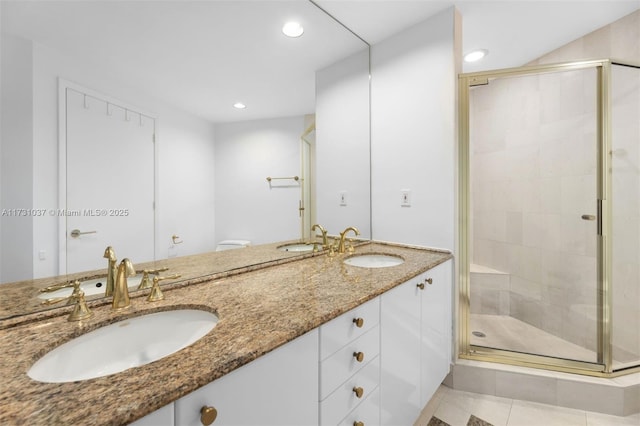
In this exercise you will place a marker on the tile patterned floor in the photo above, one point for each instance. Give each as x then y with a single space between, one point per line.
450 407
473 421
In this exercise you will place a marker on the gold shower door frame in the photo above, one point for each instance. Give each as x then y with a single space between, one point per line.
603 366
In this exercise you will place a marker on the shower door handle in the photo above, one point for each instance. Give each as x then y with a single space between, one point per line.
588 217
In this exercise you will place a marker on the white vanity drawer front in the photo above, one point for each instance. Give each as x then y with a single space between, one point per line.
343 364
341 330
344 399
367 413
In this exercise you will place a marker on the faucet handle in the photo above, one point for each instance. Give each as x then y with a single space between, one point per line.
80 310
66 284
56 287
156 294
146 282
350 248
332 250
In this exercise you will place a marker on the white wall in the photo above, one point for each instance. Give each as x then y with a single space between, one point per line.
16 166
184 200
342 145
413 110
186 196
247 206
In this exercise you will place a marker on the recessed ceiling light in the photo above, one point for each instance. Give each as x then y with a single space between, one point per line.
239 105
292 29
475 55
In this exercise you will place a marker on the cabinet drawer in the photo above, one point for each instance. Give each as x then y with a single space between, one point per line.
344 399
341 330
368 412
343 364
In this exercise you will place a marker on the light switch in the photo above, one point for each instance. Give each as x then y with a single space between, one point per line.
405 197
343 198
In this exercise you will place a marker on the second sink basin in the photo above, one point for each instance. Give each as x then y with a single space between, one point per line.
296 247
122 345
374 260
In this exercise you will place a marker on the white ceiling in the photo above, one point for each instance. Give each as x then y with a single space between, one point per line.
514 31
205 55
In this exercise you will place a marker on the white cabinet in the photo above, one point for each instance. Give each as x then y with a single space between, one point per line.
379 363
436 330
161 417
415 338
350 366
279 388
400 354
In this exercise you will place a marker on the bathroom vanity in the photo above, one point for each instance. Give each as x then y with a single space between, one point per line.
309 341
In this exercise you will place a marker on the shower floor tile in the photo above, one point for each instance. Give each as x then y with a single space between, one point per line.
508 333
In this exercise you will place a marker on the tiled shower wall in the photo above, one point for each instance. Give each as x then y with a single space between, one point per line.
533 175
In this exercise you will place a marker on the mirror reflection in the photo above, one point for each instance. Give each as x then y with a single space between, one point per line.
121 127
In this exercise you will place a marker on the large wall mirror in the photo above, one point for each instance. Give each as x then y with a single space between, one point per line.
84 82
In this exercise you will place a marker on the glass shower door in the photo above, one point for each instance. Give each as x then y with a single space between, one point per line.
534 214
625 233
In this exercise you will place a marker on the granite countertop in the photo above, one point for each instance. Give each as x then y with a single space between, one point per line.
258 311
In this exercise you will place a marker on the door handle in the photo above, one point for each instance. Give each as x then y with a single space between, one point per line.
588 217
76 233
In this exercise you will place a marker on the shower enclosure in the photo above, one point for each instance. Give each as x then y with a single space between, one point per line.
550 217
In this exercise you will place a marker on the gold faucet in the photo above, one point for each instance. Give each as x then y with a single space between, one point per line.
341 247
121 288
111 270
324 234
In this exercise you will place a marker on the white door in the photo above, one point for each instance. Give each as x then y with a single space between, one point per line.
110 182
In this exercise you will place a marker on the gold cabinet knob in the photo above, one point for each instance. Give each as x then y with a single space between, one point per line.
420 286
359 356
208 415
358 391
359 322
429 280
358 424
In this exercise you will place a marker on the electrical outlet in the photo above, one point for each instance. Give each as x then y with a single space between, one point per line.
405 197
343 198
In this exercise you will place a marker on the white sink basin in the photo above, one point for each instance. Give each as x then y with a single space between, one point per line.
299 247
374 260
122 345
90 287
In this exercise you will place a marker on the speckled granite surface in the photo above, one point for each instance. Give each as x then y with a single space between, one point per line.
258 311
